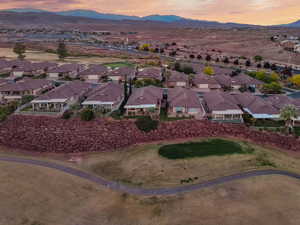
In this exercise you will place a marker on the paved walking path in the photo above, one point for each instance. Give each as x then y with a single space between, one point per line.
142 191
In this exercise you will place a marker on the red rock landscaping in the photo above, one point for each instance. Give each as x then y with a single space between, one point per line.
44 134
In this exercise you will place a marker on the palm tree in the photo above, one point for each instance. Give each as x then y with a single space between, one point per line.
289 113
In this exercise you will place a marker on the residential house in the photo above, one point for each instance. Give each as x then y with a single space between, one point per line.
19 63
94 73
5 67
177 79
65 71
225 81
32 69
144 101
106 98
15 91
237 82
280 101
257 107
243 80
221 106
184 103
154 73
3 81
205 83
61 98
122 73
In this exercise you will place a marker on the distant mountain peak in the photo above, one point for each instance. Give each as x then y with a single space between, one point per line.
25 10
91 14
163 18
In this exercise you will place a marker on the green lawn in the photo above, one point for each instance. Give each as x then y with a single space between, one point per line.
119 64
268 123
297 131
213 147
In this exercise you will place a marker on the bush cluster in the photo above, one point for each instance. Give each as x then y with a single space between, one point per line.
146 124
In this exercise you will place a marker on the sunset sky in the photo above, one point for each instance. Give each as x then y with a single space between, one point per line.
264 12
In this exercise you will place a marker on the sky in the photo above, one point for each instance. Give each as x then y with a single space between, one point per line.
262 12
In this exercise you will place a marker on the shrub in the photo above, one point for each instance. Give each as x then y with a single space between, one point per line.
26 99
146 124
272 88
209 70
87 115
67 114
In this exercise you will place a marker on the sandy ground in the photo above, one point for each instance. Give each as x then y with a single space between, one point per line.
143 166
39 196
43 56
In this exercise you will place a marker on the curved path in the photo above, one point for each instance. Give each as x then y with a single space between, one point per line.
142 191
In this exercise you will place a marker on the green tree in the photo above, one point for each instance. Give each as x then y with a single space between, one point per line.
258 58
289 114
146 124
295 80
272 88
177 67
20 50
62 51
188 70
87 115
147 82
208 70
274 77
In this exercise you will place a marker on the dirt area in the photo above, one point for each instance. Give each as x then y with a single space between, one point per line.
39 196
143 166
44 56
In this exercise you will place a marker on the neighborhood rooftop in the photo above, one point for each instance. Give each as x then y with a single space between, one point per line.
24 85
64 92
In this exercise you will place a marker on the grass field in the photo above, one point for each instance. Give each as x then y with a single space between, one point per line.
143 166
119 64
44 56
213 147
39 196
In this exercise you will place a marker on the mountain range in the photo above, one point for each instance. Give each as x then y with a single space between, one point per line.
90 14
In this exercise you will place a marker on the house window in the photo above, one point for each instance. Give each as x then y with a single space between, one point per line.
237 117
193 110
179 109
228 117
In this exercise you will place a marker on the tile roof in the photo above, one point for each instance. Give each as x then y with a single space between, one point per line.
123 72
146 95
220 101
280 101
95 70
241 79
3 81
206 79
181 97
244 79
177 76
109 92
255 104
65 68
150 72
25 85
66 91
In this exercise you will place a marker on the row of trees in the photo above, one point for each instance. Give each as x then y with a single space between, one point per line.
20 50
